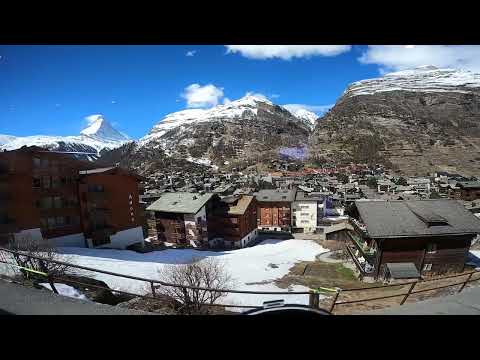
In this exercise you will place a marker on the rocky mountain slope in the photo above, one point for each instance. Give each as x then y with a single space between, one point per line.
245 131
417 121
98 136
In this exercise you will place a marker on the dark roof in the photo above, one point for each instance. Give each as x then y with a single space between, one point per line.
469 184
399 218
302 196
276 195
403 270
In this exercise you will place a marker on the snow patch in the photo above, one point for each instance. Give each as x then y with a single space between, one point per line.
249 267
421 79
66 290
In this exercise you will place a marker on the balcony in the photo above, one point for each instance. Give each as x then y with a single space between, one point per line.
359 226
363 255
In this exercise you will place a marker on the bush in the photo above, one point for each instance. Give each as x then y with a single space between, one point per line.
208 273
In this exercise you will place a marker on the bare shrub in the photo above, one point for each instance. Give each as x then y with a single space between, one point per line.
209 273
44 249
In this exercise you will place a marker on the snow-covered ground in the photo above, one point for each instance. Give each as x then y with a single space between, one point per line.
420 79
251 268
66 290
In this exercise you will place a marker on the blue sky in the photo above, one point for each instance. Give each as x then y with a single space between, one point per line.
50 90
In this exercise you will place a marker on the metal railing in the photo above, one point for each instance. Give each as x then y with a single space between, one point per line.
314 294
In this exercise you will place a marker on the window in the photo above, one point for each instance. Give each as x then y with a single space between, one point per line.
37 182
36 162
234 220
60 221
427 267
55 182
44 163
46 182
95 188
46 203
431 248
51 222
304 214
303 221
57 202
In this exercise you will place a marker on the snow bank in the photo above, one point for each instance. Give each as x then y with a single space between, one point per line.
251 268
66 290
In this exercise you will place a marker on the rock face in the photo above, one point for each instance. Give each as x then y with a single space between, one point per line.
417 121
246 131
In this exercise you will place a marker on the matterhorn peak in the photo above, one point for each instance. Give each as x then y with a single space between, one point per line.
100 128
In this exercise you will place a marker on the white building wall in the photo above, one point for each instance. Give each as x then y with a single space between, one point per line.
305 215
74 240
190 220
29 234
247 239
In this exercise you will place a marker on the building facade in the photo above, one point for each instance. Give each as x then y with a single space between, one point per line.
42 198
275 209
182 218
234 224
434 235
307 210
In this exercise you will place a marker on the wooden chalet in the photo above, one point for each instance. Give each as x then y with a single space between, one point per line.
434 235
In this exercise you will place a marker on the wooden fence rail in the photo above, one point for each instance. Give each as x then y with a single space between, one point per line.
314 294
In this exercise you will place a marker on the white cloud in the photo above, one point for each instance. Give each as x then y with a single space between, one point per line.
198 96
401 57
191 53
317 109
226 101
114 102
286 52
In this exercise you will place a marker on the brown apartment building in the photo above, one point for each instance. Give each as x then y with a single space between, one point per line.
466 190
49 195
421 237
274 209
182 218
203 219
234 222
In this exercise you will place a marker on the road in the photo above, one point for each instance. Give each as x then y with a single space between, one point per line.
17 299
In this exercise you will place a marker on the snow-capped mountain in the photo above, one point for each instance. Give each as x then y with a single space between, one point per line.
101 130
99 135
420 120
426 78
309 118
240 129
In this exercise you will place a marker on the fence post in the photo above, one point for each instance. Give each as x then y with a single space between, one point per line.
335 297
49 277
408 293
465 283
153 288
314 299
